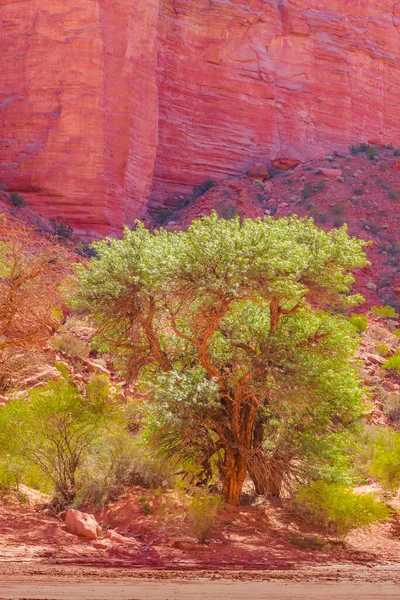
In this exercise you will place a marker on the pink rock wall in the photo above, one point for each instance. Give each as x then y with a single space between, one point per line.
109 105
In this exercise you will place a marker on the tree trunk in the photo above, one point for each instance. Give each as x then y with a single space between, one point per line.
235 469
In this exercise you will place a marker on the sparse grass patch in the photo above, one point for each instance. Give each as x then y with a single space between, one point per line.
17 200
71 345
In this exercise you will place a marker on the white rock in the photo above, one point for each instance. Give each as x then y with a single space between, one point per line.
83 524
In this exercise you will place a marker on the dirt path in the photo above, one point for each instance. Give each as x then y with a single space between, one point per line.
34 589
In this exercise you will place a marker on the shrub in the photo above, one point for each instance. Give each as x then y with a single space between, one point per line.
61 228
357 191
382 349
201 189
392 407
71 345
372 152
321 186
386 312
358 149
394 195
229 212
202 512
307 191
163 215
337 222
360 322
56 431
393 362
397 152
338 509
17 200
385 461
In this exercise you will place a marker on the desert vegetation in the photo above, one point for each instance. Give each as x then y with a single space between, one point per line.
232 349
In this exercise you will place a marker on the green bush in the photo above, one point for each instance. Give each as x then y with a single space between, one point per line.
17 200
393 363
360 322
382 349
56 431
387 312
338 509
71 345
202 512
384 463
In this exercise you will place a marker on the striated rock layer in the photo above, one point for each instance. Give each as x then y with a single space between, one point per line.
109 105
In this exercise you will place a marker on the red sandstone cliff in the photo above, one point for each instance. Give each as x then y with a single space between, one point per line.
105 104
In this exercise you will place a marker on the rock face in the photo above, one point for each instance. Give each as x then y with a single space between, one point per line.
108 106
80 523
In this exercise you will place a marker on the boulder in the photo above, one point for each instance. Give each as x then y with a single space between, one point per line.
82 524
285 164
258 171
330 172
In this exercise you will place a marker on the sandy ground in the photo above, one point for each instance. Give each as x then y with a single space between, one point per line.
342 582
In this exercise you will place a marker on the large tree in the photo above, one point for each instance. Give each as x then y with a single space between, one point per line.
236 328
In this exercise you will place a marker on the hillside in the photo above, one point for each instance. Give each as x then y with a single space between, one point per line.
110 107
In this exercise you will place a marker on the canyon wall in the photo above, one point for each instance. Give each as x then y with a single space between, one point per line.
107 106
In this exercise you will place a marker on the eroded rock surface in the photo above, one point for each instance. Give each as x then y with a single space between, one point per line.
109 105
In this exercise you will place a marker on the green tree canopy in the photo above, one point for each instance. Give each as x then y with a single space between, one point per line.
229 324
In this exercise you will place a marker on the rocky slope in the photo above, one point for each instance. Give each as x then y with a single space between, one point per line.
110 106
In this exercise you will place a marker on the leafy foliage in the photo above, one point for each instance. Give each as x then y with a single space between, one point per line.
359 321
56 430
387 312
338 509
202 512
216 323
17 200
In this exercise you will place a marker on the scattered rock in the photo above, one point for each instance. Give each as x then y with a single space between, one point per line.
372 286
113 536
82 524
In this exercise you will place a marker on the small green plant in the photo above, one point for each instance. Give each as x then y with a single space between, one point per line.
321 186
202 512
17 200
61 228
359 321
396 332
386 312
338 509
382 349
71 345
145 506
392 363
